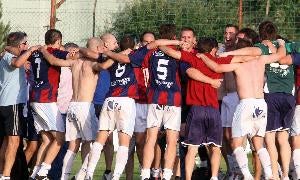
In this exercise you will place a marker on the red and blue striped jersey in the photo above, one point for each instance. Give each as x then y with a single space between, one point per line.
45 76
123 82
164 81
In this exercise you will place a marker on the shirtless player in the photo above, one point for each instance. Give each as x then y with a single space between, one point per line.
251 114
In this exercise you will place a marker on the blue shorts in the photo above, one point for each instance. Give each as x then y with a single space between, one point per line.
281 107
204 126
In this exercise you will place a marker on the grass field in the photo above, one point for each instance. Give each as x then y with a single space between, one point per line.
101 167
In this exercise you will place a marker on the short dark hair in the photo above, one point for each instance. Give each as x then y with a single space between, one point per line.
52 35
127 42
167 31
206 44
241 43
70 45
267 31
232 25
144 33
15 38
250 34
188 29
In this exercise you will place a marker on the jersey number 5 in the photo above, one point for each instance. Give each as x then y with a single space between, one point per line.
162 69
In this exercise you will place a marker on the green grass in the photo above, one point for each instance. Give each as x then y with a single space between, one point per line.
136 174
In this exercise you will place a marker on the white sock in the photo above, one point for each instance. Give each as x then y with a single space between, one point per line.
5 177
155 172
296 159
145 173
67 165
265 162
94 158
242 160
82 171
167 174
214 178
35 171
44 169
121 160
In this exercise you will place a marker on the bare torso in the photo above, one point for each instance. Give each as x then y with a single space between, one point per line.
250 79
84 81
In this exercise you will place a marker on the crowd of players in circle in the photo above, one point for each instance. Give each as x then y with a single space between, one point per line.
167 99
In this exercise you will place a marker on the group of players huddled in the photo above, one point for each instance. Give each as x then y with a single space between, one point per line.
161 95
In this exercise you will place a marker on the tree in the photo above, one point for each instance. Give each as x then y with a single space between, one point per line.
207 17
4 29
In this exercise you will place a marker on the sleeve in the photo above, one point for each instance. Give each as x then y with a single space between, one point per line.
145 63
264 49
60 54
188 57
225 60
183 67
296 58
138 56
8 58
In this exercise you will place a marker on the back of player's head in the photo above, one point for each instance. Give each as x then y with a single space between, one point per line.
14 39
127 42
70 45
167 31
250 35
267 31
242 43
206 44
52 35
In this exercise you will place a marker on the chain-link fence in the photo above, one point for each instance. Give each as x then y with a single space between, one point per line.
207 17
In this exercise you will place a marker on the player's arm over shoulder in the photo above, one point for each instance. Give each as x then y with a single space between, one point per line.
54 60
21 60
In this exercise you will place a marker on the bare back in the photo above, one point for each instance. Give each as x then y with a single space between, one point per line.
84 81
250 79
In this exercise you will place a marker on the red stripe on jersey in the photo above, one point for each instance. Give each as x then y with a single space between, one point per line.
177 99
150 96
116 92
54 77
163 98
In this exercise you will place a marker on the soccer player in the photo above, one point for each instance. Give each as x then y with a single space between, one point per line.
279 97
81 125
203 99
43 97
250 117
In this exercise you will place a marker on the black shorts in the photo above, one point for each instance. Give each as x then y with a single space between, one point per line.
11 120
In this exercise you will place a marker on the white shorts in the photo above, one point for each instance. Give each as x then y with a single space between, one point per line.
228 107
164 115
141 118
47 117
295 128
250 118
118 113
81 121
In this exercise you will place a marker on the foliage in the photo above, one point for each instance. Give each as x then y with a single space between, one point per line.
207 17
